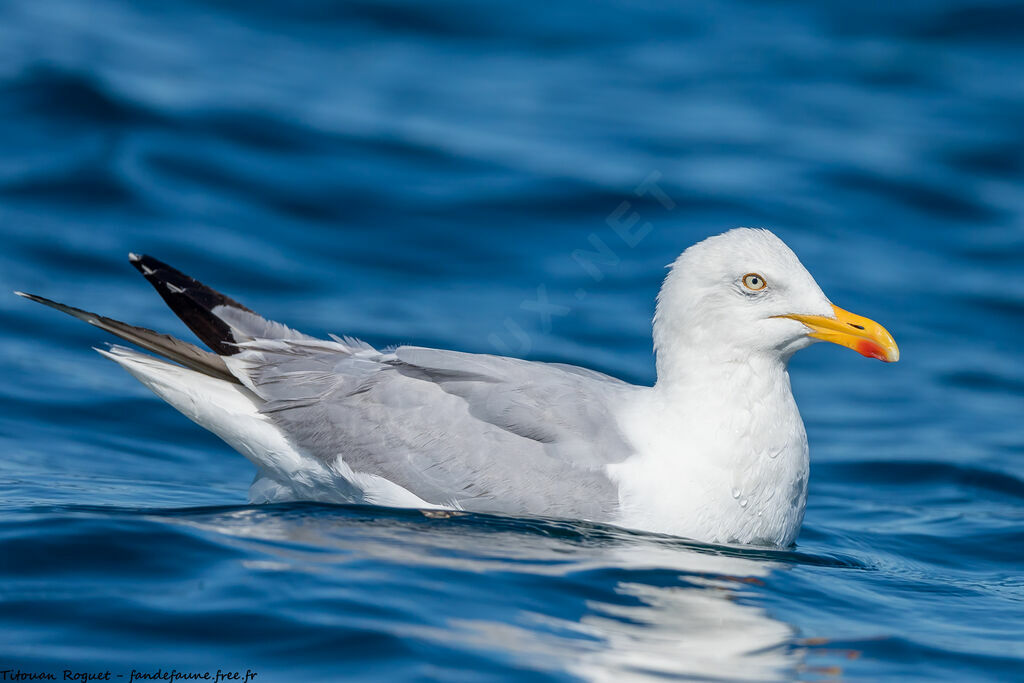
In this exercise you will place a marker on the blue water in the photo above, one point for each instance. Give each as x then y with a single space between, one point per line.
423 173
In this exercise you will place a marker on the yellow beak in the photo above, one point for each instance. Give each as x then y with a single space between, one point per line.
863 335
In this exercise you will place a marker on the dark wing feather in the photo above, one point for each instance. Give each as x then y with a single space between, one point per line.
189 355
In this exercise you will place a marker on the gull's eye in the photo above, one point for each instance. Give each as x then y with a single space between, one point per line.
754 282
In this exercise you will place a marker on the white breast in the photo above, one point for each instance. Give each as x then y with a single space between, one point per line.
724 460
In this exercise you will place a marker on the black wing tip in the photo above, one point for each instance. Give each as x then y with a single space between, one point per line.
148 266
35 297
139 260
192 301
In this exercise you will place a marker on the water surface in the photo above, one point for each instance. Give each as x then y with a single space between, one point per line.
412 173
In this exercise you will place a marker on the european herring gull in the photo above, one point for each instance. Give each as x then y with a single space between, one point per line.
715 451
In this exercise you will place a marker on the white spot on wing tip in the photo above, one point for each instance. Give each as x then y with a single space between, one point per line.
133 257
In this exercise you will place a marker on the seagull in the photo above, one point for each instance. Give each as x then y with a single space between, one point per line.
715 451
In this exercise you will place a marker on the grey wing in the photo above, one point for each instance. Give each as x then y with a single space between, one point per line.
481 432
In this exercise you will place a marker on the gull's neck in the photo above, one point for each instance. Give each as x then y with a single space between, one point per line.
679 370
731 394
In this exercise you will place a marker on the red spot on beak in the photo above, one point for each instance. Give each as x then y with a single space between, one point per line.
866 347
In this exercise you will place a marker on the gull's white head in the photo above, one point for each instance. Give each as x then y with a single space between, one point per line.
744 293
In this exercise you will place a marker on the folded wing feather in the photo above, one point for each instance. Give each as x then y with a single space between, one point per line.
480 432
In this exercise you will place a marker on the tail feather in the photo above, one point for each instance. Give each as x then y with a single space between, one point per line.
179 351
232 412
